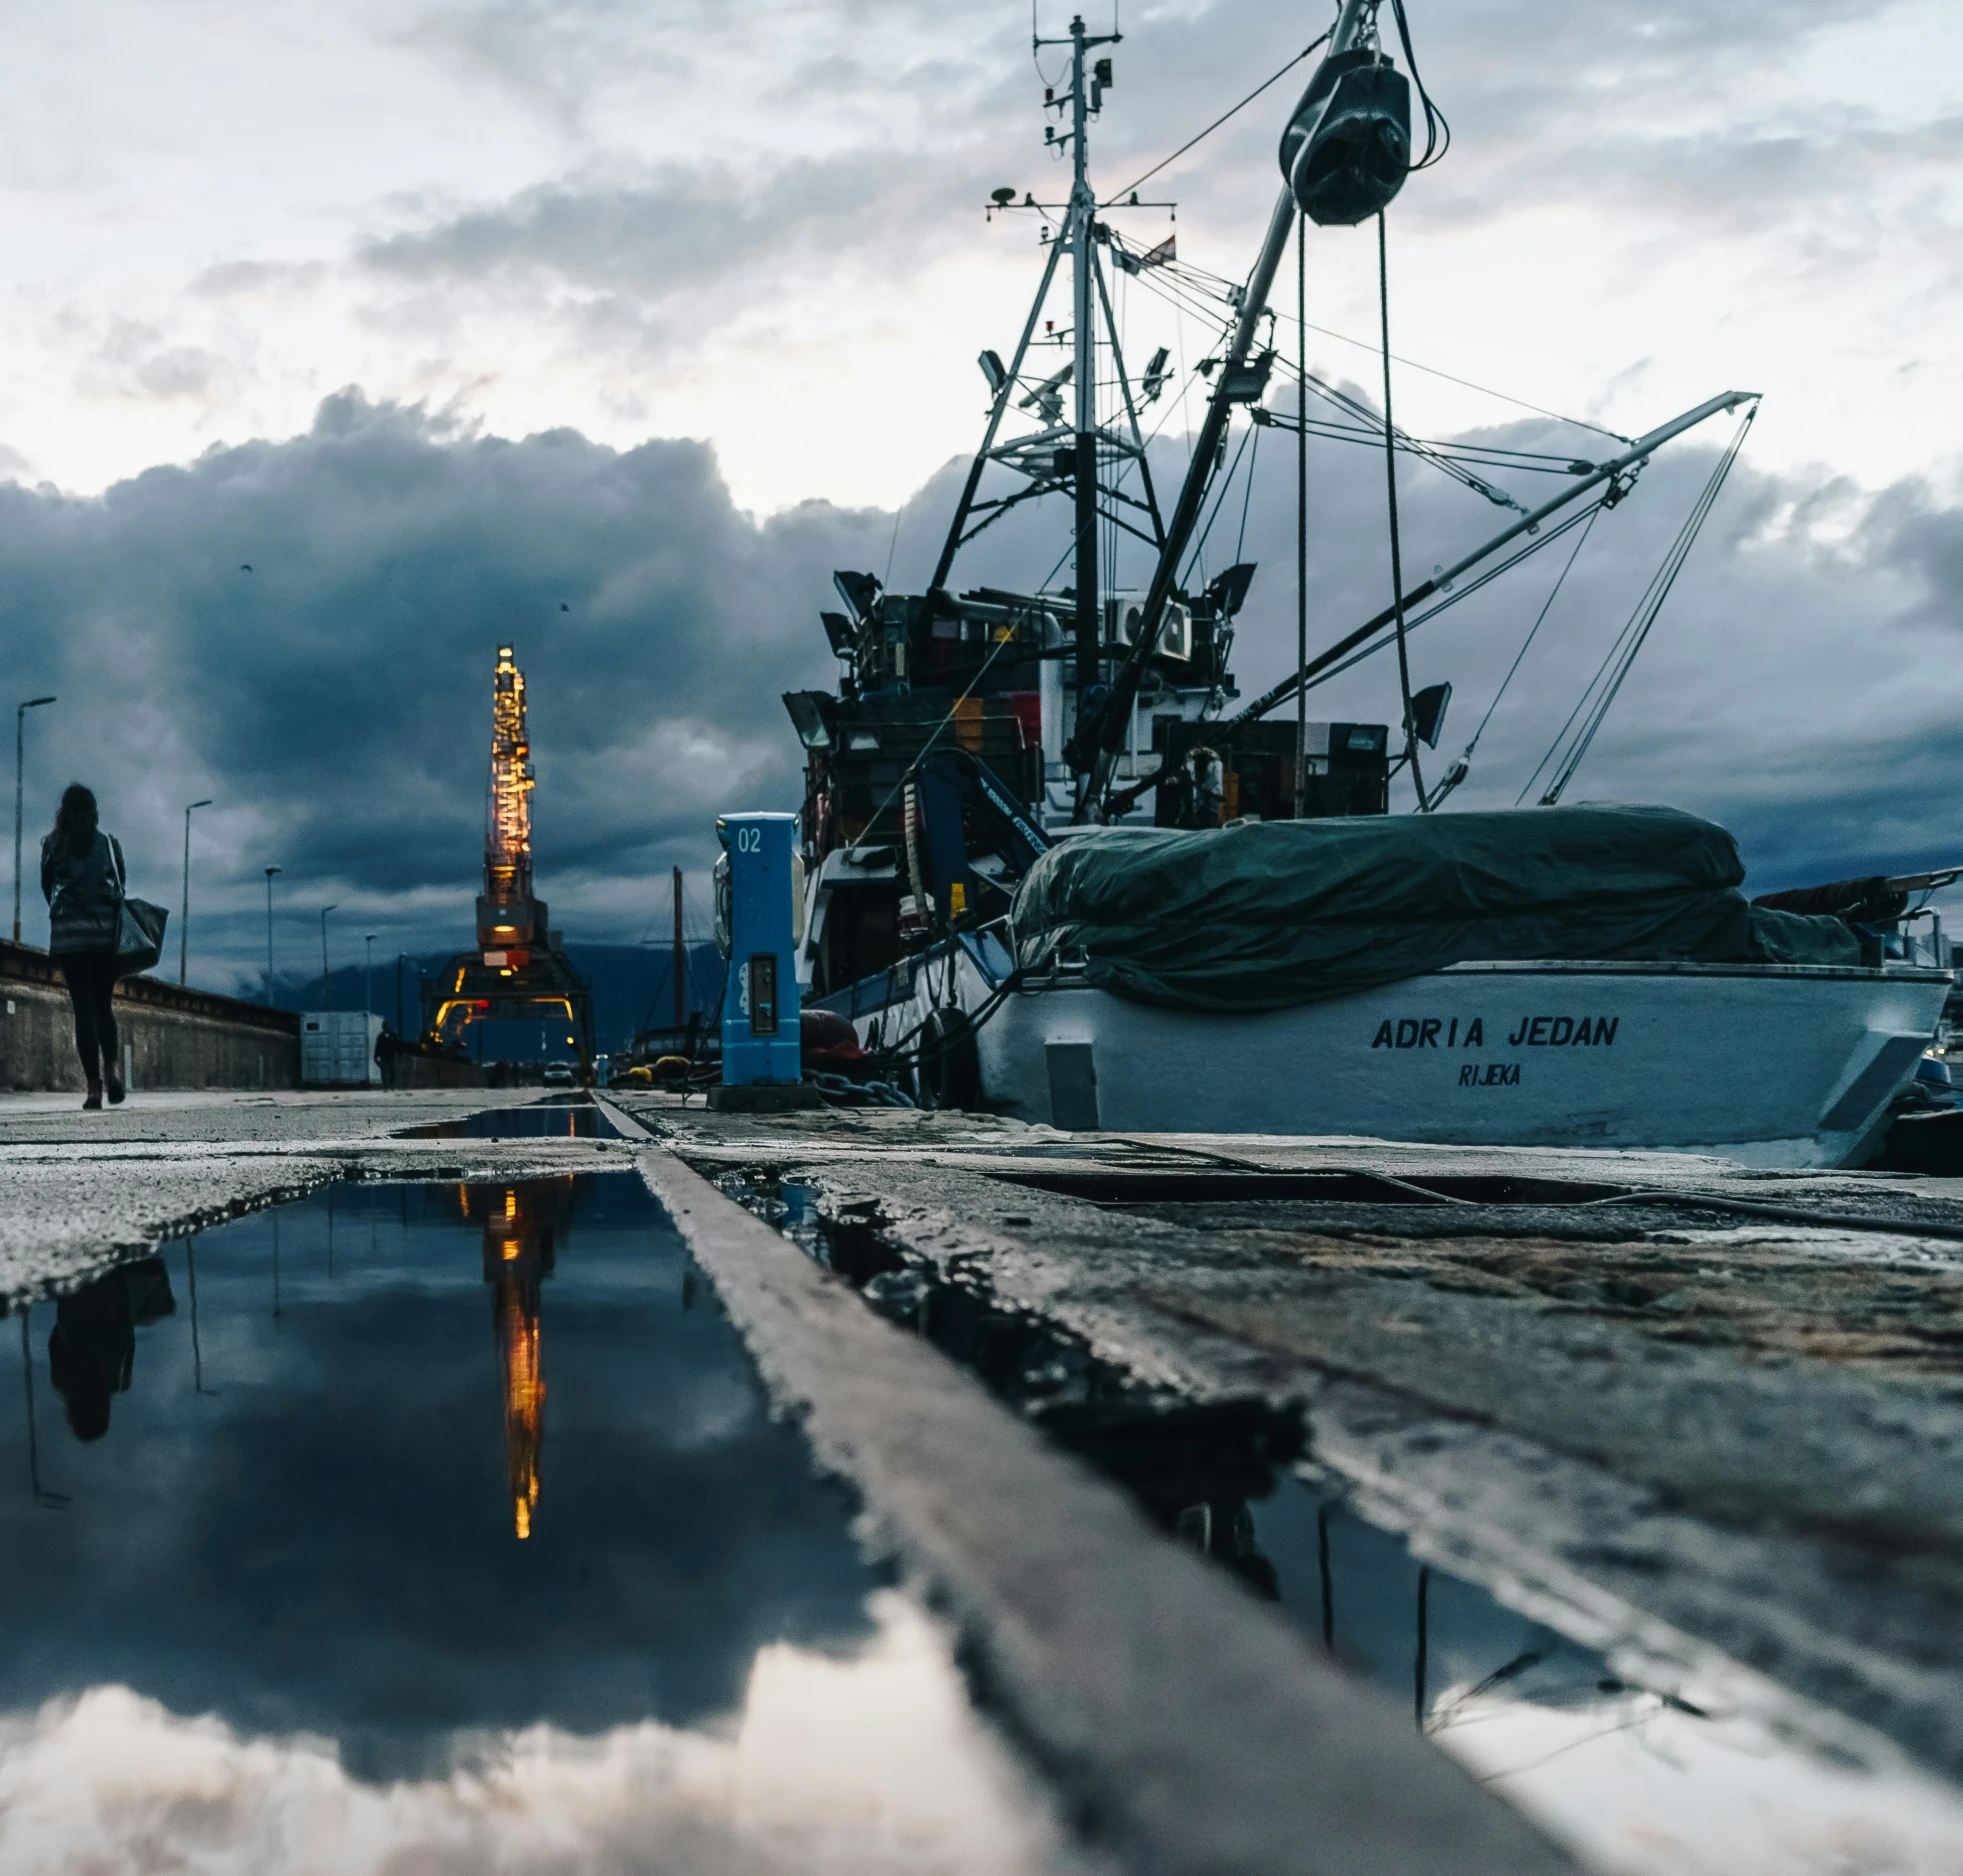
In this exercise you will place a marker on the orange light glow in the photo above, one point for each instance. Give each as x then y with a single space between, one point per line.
524 1402
519 1226
508 838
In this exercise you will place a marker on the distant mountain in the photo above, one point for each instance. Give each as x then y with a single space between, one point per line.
633 987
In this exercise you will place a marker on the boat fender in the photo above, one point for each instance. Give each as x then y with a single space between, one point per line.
1347 150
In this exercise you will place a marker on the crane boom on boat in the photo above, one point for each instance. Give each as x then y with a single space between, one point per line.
1094 750
1615 472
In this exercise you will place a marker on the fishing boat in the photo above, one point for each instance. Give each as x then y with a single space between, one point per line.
990 752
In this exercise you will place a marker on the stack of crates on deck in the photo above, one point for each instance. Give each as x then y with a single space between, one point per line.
337 1049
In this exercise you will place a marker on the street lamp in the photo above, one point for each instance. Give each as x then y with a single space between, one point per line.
326 994
368 976
20 747
184 923
270 871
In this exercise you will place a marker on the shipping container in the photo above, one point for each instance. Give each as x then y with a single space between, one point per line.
337 1049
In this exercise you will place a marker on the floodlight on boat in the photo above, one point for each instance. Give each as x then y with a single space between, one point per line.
1348 149
841 634
859 591
993 370
814 715
1428 713
1226 592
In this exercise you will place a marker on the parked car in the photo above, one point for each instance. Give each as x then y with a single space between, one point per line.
559 1074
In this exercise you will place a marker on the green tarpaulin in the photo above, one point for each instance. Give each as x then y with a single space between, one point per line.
1268 914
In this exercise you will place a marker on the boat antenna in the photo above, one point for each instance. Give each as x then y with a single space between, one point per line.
1083 454
1065 456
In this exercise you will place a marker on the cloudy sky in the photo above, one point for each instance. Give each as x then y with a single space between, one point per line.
444 317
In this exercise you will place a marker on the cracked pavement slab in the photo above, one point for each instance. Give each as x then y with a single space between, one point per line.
1686 1432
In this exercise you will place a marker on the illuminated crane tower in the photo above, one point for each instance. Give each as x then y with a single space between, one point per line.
519 969
508 918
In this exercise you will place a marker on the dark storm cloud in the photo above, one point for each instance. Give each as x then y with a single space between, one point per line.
1801 685
335 700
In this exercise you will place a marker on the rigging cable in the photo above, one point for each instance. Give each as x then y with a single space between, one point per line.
1190 279
1247 493
1390 479
1438 133
1448 458
1608 680
1198 553
1457 772
1485 390
1321 39
1301 508
1532 546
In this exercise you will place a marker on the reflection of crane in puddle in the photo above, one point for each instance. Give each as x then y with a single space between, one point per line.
521 1221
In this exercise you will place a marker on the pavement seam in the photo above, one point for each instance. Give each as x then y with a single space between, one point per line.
1193 1731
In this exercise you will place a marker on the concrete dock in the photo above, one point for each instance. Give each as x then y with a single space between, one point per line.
1703 1422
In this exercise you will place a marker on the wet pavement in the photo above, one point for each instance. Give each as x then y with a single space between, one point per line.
555 1117
446 1526
1183 1505
1549 1624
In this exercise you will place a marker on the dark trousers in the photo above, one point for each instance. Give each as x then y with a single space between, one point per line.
91 978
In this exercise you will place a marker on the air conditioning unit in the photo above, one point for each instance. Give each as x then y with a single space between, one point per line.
1123 612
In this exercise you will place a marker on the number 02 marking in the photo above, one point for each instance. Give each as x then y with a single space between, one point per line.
749 840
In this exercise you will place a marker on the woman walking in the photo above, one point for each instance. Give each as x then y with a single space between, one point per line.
82 880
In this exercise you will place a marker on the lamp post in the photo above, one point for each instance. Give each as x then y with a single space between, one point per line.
368 977
20 757
184 922
270 871
326 995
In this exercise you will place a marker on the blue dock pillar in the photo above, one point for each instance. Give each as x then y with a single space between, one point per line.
760 1005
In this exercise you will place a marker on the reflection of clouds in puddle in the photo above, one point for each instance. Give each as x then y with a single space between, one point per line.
855 1767
1637 1787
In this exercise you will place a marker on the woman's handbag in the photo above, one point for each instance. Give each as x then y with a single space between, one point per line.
139 936
139 925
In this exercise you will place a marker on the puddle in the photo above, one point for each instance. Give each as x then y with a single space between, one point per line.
1637 1768
446 1527
1189 1184
560 1117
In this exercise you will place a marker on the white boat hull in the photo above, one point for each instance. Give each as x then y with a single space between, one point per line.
1774 1065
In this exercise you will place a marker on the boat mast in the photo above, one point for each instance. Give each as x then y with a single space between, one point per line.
1080 226
1066 455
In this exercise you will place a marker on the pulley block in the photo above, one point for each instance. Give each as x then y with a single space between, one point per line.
1347 150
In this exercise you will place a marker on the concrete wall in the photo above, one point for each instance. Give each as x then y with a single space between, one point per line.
177 1038
412 1070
